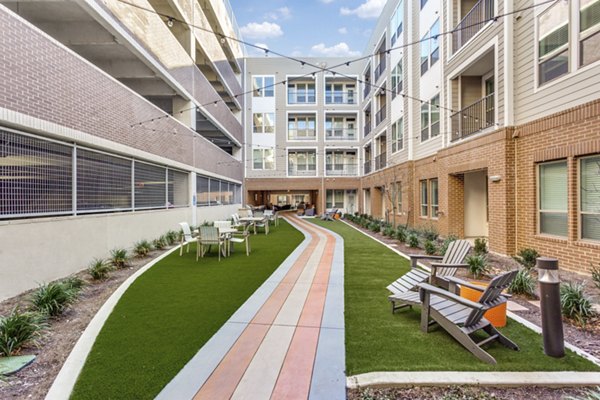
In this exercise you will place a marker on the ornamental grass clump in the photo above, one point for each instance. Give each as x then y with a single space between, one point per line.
159 243
171 237
480 246
119 258
574 303
53 298
523 284
591 394
596 275
99 269
19 329
477 265
142 248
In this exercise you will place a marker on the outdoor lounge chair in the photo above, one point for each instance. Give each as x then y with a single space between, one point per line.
242 237
404 289
461 317
209 235
186 236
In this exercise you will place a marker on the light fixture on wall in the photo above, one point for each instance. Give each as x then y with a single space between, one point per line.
495 178
170 22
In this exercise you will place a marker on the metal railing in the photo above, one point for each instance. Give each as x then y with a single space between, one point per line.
380 161
340 134
302 134
472 23
367 128
308 170
335 97
380 68
301 97
380 116
344 169
474 118
367 89
367 167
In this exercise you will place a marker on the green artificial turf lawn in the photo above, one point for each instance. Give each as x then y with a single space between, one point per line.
170 311
377 340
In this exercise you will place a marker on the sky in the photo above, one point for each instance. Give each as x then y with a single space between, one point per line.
307 28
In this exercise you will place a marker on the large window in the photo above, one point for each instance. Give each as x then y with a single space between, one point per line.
553 198
202 191
397 135
398 193
263 86
150 186
553 42
263 158
589 28
177 189
302 127
341 163
430 47
302 163
430 118
263 122
433 187
424 199
397 79
396 22
340 93
590 198
334 199
216 192
301 93
340 128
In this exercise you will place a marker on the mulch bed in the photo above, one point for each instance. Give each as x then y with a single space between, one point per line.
56 343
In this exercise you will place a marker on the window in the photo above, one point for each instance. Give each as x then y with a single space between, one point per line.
263 158
340 93
263 122
341 163
301 127
590 198
396 22
301 93
589 31
433 187
430 118
177 189
202 191
334 199
430 47
340 128
397 79
423 2
263 86
397 135
150 188
302 163
424 199
553 42
553 198
398 190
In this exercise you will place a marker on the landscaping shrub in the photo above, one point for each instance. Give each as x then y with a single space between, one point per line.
142 248
477 265
429 233
73 283
401 234
575 305
444 247
596 275
480 246
159 243
374 226
412 240
18 329
523 284
119 258
389 231
430 247
171 237
99 269
526 257
53 298
591 394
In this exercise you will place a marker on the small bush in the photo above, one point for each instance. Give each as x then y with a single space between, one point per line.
429 233
171 237
412 240
526 257
477 265
142 248
575 305
53 298
19 329
119 258
430 247
99 269
480 246
159 243
444 247
388 231
523 284
401 234
374 226
596 275
73 283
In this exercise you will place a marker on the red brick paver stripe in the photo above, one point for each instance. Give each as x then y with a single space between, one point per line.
224 380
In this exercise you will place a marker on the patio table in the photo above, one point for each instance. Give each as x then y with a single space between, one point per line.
226 233
254 221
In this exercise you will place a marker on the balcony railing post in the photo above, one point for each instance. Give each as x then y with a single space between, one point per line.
474 118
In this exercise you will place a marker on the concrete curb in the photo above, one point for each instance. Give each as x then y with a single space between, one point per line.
65 381
443 378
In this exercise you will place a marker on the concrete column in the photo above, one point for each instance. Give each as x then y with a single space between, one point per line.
185 112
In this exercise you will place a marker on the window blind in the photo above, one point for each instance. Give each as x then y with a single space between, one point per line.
553 198
590 198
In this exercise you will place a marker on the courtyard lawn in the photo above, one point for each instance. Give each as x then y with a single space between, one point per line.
170 311
377 340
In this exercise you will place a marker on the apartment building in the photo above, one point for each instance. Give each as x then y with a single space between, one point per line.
302 133
490 131
116 123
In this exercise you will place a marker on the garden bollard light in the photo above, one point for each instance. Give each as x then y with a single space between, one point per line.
552 328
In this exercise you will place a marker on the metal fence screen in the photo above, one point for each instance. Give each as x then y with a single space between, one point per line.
150 187
103 182
178 189
35 176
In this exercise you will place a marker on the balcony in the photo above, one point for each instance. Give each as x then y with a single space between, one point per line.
380 161
367 167
302 134
340 134
474 118
367 128
343 169
302 170
380 69
367 89
380 116
472 23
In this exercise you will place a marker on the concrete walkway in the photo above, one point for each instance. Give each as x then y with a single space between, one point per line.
286 341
